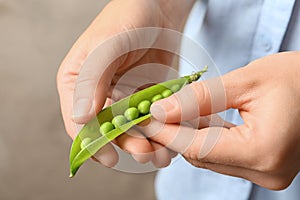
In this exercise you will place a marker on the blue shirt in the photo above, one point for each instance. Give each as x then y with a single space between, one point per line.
234 33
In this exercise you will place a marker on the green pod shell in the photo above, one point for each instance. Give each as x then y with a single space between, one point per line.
91 130
85 142
175 88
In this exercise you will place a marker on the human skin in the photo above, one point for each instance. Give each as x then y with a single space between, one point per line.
266 148
117 17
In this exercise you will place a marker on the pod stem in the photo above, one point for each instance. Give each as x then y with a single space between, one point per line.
195 76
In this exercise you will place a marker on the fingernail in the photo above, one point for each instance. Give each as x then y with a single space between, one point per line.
143 158
81 108
106 157
106 161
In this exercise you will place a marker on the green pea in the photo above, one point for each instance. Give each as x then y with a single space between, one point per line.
119 120
156 98
166 93
131 113
175 88
106 127
144 107
85 142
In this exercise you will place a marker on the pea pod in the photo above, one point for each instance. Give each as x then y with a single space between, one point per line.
80 153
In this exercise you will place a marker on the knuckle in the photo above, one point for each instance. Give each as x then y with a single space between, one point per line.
64 78
192 154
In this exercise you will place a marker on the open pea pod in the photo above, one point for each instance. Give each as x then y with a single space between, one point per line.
79 154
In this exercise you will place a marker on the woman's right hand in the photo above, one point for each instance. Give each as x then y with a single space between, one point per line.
96 61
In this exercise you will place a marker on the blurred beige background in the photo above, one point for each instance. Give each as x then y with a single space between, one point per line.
35 36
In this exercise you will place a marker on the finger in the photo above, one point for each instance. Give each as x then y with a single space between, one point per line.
108 102
204 98
173 154
107 156
144 151
215 144
162 156
213 120
142 157
136 144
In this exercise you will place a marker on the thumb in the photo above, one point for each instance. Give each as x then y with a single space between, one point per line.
199 99
93 81
96 74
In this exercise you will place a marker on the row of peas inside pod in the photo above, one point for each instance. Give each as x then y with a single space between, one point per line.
131 113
